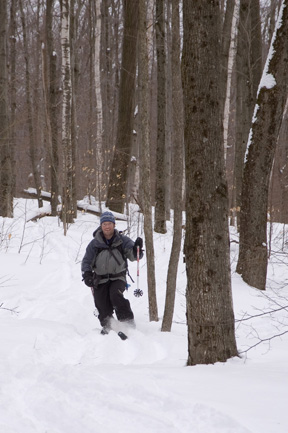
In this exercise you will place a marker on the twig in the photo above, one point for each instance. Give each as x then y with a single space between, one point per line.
12 310
261 314
262 341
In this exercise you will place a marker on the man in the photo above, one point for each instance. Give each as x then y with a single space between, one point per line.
104 269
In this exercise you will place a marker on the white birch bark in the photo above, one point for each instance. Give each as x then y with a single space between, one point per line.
66 113
232 53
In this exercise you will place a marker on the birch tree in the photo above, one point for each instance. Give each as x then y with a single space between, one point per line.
67 190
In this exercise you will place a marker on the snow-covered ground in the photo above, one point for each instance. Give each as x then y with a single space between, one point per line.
59 375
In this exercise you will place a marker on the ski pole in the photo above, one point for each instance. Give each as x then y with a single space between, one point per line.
138 292
138 258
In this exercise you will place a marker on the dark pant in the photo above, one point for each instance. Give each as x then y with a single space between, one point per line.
108 297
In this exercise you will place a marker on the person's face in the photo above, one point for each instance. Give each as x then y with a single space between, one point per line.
108 229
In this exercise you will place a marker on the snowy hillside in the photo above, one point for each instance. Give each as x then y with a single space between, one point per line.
59 375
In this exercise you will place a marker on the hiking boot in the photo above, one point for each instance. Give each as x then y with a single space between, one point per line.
105 331
131 323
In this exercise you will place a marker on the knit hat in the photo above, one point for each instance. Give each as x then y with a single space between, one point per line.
107 217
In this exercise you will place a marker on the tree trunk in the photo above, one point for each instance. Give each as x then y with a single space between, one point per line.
210 314
268 114
6 182
12 87
50 90
177 169
160 216
99 108
67 190
248 69
31 121
117 190
145 160
227 35
228 58
74 68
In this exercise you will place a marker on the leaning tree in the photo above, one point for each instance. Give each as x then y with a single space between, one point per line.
268 115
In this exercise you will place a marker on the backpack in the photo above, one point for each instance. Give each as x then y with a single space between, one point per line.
119 248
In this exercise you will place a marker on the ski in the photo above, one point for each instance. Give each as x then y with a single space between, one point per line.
119 333
122 335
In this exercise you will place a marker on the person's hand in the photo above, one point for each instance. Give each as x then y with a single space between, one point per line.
88 278
138 243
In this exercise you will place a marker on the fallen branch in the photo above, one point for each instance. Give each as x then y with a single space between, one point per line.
81 207
47 197
12 310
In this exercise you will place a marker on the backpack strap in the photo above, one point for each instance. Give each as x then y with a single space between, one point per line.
124 258
119 247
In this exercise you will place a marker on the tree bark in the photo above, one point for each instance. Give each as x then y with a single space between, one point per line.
74 68
6 183
31 121
12 88
177 169
145 160
67 189
117 191
268 114
51 96
210 314
160 192
99 108
248 70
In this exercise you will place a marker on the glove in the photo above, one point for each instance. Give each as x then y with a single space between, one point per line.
88 278
138 243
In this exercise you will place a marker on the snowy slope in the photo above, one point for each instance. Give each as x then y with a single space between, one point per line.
59 375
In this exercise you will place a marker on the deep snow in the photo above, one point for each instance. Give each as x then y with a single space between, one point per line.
59 375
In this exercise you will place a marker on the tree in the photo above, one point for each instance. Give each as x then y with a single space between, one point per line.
225 44
99 108
49 72
6 176
210 314
145 159
67 190
31 118
248 70
268 114
177 169
117 190
12 89
160 215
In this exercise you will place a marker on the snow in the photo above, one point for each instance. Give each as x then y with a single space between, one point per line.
59 375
